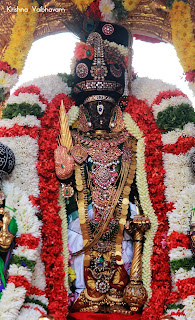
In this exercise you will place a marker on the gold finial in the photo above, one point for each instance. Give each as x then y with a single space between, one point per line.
65 135
6 237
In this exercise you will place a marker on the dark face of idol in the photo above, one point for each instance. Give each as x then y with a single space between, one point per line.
100 113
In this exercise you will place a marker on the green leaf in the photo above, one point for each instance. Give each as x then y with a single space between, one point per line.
175 117
13 227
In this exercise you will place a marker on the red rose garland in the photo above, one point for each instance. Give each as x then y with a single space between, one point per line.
161 280
49 192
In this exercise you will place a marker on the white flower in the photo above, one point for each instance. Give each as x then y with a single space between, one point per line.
50 86
106 7
24 174
28 98
7 80
189 307
72 115
180 253
122 49
11 301
29 121
172 136
148 89
178 174
31 311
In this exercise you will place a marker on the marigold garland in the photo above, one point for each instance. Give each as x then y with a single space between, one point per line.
182 35
22 35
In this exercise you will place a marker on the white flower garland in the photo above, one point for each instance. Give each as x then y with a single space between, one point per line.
50 86
7 81
26 97
38 277
178 174
31 311
23 251
11 302
180 252
29 121
145 201
183 209
171 137
24 174
72 115
23 182
189 307
148 89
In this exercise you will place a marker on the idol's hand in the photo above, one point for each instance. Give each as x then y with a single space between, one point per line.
64 163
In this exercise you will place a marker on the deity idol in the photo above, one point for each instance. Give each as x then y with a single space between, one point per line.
104 153
97 168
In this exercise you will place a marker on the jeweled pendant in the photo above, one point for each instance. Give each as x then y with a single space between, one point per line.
100 108
68 191
79 154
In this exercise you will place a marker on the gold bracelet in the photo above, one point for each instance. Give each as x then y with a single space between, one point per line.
114 299
93 299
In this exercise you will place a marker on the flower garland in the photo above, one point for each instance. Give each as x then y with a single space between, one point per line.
107 10
49 86
22 35
8 78
183 36
142 124
160 282
22 287
25 101
178 147
49 193
144 198
181 257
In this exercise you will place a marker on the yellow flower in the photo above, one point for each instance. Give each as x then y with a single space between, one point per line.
22 35
2 81
130 5
82 4
72 274
182 34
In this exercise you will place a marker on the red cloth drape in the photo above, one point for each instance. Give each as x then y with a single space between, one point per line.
101 316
